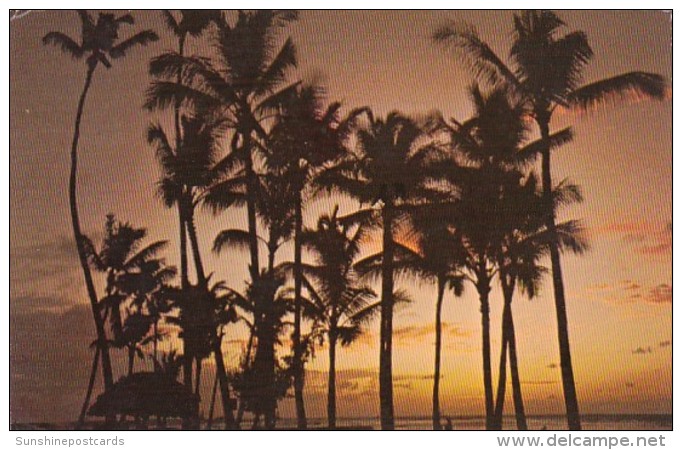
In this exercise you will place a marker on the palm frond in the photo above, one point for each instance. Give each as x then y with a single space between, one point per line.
482 60
140 39
65 43
631 85
232 239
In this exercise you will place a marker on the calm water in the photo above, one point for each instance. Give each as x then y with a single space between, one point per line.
590 422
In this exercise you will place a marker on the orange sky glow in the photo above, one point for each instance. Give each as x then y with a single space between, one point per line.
619 294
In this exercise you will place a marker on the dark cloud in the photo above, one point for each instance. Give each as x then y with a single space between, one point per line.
642 350
661 294
664 344
552 365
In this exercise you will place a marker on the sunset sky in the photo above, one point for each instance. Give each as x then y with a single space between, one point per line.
619 294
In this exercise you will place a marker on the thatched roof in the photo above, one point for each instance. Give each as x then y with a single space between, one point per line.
146 394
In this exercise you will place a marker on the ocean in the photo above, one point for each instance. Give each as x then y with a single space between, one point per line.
594 422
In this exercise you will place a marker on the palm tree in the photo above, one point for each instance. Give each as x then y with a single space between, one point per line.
191 23
494 141
124 265
188 172
306 135
546 72
337 303
434 252
525 242
389 169
99 43
242 84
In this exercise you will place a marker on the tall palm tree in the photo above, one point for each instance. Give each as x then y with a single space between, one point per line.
243 83
526 241
435 253
187 174
191 23
546 72
495 142
337 302
389 170
99 43
306 136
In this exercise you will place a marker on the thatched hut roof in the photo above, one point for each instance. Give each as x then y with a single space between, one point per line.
146 394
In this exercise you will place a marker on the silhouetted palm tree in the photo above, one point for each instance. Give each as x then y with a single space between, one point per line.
306 135
546 72
525 242
389 170
191 23
188 172
494 141
242 84
337 303
121 259
99 42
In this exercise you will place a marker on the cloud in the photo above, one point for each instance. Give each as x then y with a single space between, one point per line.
646 238
642 350
552 366
629 291
407 335
661 294
664 344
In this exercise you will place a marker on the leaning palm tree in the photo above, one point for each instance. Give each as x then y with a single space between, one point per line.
546 72
337 303
495 142
98 44
389 170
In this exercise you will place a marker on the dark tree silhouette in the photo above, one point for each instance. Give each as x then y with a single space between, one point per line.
546 72
243 84
306 136
337 303
388 169
99 42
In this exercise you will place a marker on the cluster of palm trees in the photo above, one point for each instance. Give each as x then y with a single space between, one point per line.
446 201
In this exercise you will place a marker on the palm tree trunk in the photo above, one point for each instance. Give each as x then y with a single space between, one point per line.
519 409
436 366
570 394
211 408
194 244
224 385
331 386
299 374
131 359
501 380
254 268
88 394
502 376
107 373
484 291
247 364
386 330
